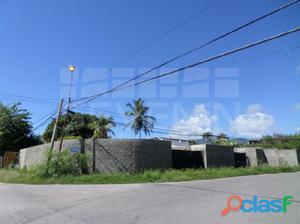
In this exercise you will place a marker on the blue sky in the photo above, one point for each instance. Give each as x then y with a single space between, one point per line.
252 93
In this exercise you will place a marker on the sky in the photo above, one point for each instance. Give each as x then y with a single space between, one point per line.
249 94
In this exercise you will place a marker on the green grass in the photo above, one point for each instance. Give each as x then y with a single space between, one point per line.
151 176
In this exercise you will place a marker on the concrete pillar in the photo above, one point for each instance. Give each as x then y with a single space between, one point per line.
272 157
250 153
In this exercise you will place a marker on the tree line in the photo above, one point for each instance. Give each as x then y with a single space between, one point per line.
16 127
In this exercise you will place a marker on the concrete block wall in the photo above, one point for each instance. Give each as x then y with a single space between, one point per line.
114 156
111 155
216 155
151 154
250 154
117 155
35 155
272 156
288 157
219 156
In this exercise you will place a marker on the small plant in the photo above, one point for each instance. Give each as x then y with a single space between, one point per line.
61 164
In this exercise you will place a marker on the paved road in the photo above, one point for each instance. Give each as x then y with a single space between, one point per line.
184 202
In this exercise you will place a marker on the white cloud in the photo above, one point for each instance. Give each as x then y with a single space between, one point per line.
254 123
298 106
200 121
254 108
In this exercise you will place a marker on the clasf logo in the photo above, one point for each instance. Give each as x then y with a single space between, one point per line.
236 203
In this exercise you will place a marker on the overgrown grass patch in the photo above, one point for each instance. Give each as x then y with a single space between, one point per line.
151 176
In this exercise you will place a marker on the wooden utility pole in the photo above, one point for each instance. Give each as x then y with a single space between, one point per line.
56 123
64 125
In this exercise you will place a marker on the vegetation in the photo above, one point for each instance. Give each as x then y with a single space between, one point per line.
140 121
222 139
82 125
61 164
15 129
280 141
30 177
103 126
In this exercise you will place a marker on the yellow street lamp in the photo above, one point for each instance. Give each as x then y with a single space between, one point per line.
72 68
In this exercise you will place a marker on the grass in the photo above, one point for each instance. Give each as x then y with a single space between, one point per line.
28 177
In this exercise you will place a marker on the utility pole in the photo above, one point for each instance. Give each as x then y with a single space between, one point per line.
56 123
71 69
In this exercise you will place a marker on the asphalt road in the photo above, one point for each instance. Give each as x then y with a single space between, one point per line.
184 202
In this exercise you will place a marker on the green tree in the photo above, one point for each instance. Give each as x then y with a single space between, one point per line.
103 126
140 121
222 139
77 125
15 128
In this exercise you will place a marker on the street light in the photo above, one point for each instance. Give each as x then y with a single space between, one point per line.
72 68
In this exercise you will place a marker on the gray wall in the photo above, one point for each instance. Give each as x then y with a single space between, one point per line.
288 157
111 155
35 155
272 157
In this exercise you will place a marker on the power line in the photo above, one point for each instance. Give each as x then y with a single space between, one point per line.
217 56
14 96
183 132
44 120
164 131
46 116
253 57
221 55
111 113
37 127
165 33
195 49
278 51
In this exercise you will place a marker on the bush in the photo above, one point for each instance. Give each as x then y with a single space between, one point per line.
61 164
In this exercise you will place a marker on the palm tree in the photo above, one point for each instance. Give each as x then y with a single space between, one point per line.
140 121
103 126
